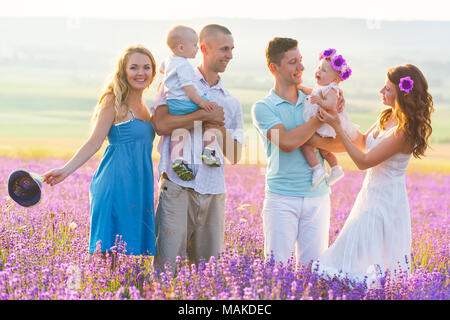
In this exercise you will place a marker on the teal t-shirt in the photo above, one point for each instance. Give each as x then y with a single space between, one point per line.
288 173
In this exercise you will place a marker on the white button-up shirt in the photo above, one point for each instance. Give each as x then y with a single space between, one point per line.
208 179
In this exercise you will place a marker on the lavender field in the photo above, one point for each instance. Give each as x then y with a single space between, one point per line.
44 249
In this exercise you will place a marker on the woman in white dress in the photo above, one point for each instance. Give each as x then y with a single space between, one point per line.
377 233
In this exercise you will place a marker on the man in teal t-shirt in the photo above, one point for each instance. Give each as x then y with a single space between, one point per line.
295 214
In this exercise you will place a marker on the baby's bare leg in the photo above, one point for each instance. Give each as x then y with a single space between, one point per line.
310 155
329 157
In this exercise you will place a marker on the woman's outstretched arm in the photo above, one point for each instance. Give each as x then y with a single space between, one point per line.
391 145
88 149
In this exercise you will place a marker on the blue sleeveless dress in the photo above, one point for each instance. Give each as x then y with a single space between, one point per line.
121 192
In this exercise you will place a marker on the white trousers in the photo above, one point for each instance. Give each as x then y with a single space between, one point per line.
297 225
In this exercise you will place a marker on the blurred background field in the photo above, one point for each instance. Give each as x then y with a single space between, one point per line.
53 69
52 120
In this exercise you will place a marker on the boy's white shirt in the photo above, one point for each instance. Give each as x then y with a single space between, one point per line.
178 73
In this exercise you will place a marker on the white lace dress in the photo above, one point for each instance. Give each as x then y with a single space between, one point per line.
310 110
377 234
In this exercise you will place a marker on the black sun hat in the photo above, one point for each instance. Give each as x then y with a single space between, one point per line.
25 187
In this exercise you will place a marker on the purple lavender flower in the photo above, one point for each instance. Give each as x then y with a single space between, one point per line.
38 252
406 84
338 62
346 74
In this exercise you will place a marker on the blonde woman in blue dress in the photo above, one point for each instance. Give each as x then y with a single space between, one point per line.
121 191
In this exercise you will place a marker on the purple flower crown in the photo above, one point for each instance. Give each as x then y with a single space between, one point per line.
337 62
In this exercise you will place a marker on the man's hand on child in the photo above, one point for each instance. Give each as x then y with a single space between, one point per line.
216 116
207 105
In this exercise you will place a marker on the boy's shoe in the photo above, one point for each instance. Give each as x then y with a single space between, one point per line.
182 170
336 174
318 175
209 157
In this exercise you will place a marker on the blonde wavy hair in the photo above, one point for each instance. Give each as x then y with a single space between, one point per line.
118 87
412 110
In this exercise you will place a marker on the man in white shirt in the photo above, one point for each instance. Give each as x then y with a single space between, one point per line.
190 217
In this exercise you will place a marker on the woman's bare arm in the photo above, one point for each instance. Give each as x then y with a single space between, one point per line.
89 148
389 146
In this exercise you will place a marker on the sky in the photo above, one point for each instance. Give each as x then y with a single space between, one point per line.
257 9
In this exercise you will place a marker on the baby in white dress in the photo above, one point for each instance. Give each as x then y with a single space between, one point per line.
331 71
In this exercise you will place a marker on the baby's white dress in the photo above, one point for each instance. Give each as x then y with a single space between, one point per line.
310 110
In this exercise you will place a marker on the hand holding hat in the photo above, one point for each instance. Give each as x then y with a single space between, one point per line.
25 187
55 176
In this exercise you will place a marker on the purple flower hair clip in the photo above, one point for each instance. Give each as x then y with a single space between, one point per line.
406 84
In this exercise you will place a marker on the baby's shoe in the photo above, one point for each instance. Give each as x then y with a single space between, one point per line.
182 170
336 173
210 158
318 175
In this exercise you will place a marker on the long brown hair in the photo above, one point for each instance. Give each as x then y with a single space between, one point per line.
412 110
118 87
